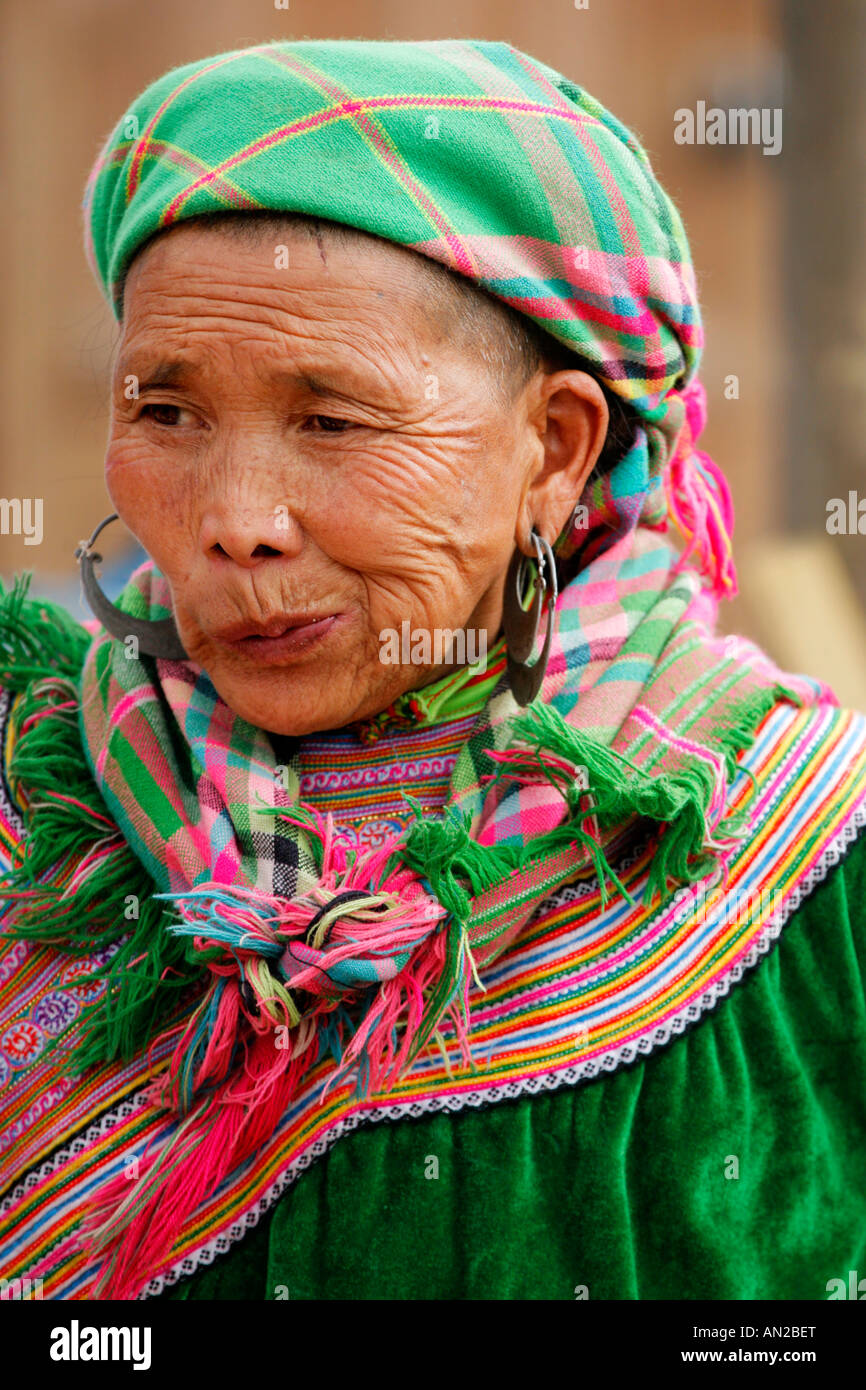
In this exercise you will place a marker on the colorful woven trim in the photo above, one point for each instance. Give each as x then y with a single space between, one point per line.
587 988
402 769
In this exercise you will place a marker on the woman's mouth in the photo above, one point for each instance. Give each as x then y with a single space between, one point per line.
279 639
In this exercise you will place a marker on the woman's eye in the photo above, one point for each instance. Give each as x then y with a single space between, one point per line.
163 414
331 424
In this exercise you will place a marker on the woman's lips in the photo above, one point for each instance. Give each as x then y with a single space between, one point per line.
279 640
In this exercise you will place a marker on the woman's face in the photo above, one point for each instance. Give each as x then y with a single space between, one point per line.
314 458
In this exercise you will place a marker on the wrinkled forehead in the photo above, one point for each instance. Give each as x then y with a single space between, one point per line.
252 252
246 311
288 284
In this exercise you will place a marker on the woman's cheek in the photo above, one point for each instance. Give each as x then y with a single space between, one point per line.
402 494
148 495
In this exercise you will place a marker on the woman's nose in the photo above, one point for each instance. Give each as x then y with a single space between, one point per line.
250 536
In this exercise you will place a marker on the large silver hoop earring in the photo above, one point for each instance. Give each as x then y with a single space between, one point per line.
155 638
520 624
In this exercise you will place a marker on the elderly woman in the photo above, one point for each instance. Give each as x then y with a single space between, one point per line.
409 895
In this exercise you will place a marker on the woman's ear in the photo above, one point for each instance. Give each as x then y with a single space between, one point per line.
570 418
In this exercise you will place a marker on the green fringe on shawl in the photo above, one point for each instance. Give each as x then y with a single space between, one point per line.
42 649
37 638
445 854
619 788
457 869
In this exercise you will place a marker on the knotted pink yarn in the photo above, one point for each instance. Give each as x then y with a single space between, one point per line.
699 499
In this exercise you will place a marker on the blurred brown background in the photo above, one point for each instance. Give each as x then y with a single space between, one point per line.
777 240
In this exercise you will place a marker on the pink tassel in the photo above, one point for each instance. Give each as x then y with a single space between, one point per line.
135 1224
398 1011
699 500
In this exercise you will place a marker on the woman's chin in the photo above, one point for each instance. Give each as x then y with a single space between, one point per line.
283 702
287 686
293 702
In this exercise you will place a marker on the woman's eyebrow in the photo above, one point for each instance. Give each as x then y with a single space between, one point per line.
347 383
167 372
